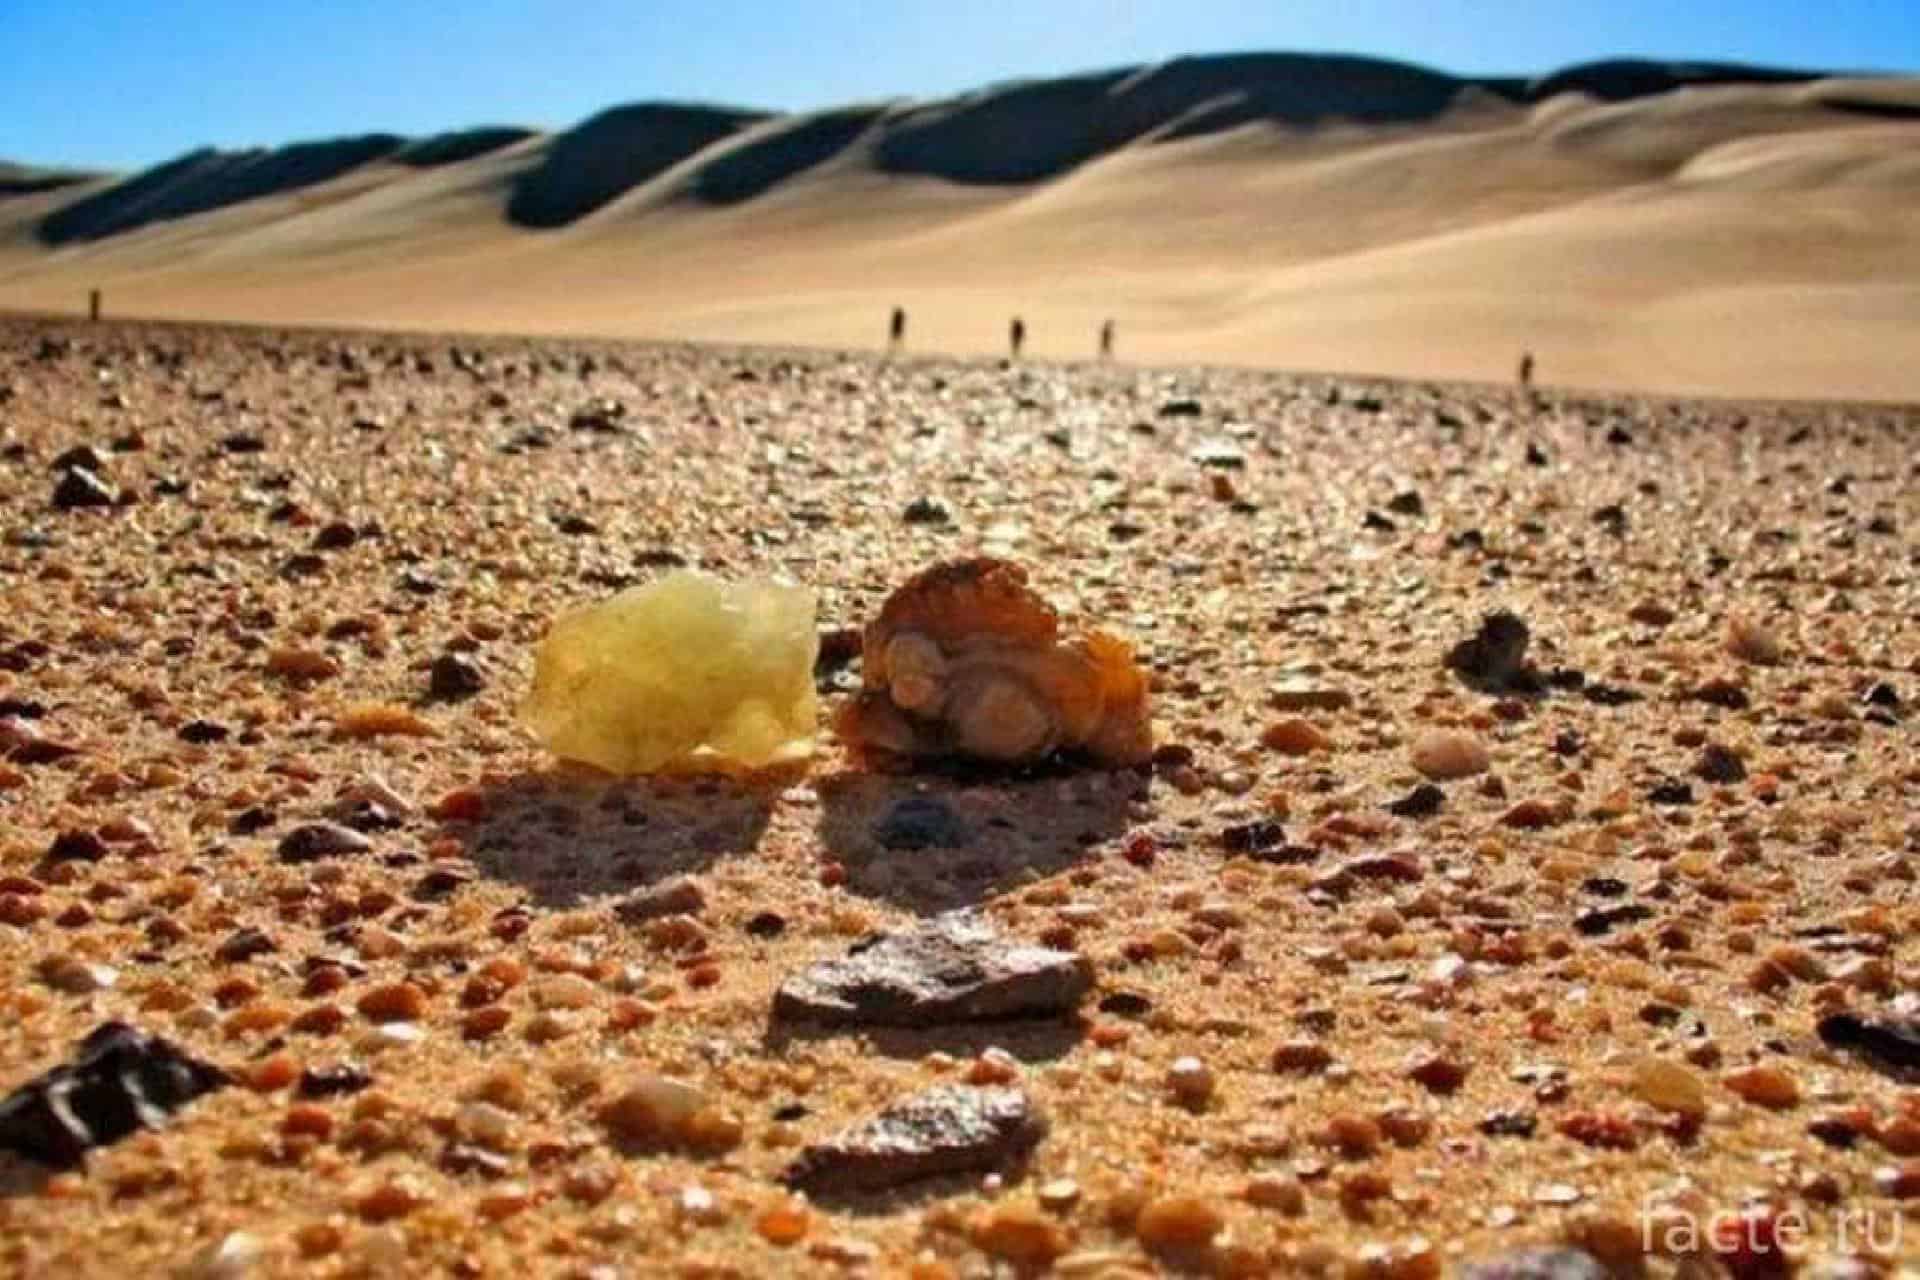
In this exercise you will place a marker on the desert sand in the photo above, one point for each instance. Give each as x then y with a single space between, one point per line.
1384 968
1636 226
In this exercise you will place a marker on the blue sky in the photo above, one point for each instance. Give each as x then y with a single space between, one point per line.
122 84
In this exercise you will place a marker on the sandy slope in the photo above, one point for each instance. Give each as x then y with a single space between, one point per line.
1748 239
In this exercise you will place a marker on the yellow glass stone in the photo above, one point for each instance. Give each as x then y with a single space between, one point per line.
687 672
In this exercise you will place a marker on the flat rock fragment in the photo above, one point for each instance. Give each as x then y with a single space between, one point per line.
947 1129
119 1080
954 969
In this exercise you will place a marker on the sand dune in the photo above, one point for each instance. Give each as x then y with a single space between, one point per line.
1693 228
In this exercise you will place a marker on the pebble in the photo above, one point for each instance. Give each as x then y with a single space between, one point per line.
1892 1041
1764 1086
1670 1087
1444 755
1020 1234
920 822
955 968
232 1256
947 1129
314 841
676 896
1178 1222
1494 658
655 1109
1191 1082
1294 737
1308 695
452 678
79 487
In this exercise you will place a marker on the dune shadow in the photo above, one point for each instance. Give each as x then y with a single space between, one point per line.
933 843
567 835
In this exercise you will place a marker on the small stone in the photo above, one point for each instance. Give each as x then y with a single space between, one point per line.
1191 1082
1651 613
925 510
383 720
1494 657
1670 1087
920 822
1305 1056
947 1129
313 841
302 664
1720 765
1423 801
335 536
1889 1041
452 678
1437 1072
1764 1086
1445 755
784 1223
1752 641
1302 694
564 991
231 1257
655 1110
956 968
334 1079
244 945
1178 1222
1294 737
119 1079
75 977
678 896
1021 1235
394 1002
79 487
77 846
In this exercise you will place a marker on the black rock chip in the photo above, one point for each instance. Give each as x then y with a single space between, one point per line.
1542 1263
1608 695
1180 409
1597 921
1509 1124
452 678
766 924
955 968
947 1129
244 945
1423 801
1719 764
243 442
119 1080
337 536
79 487
77 845
82 457
1253 837
203 732
1126 1004
332 1079
926 511
1494 658
1407 503
312 841
920 822
1671 792
1882 695
1888 1042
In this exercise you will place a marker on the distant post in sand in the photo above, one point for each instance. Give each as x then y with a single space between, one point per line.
1526 370
93 305
897 329
1106 340
1017 336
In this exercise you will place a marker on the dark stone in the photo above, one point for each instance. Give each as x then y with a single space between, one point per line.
1604 887
1719 764
76 846
1722 693
1887 1042
576 526
1882 695
1423 801
1612 518
302 564
1509 1124
1567 743
947 1129
79 487
461 1157
1551 1262
337 536
1180 409
766 924
452 678
203 732
679 896
251 821
334 1079
1407 503
119 1080
920 822
1494 658
244 945
1607 695
1126 1004
82 457
1598 921
1377 522
243 442
441 882
1671 792
313 841
1536 456
955 968
1253 837
926 511
367 816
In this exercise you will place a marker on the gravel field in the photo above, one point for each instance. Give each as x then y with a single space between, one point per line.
1526 860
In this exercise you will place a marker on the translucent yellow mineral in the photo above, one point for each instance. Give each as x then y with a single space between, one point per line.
687 672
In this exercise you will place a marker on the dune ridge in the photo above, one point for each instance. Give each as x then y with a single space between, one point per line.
1313 211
